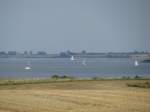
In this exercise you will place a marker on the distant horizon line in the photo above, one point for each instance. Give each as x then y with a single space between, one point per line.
71 51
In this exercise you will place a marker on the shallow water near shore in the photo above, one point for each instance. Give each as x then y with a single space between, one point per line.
45 67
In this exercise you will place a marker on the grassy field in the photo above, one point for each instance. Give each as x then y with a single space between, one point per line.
75 96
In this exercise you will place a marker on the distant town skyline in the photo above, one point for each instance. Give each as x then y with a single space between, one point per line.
71 54
67 52
60 25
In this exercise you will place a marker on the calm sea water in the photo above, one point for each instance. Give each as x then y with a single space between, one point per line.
103 67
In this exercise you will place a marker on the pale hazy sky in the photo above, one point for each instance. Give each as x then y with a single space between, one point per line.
60 25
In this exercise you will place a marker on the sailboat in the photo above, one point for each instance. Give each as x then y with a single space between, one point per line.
28 67
84 62
136 63
72 58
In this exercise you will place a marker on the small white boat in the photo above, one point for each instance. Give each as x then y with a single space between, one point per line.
136 63
28 67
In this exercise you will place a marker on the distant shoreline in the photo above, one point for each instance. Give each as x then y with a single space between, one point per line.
68 54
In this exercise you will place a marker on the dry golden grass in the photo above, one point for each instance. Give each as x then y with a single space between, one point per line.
76 96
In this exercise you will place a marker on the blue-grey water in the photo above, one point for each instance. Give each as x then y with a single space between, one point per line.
45 67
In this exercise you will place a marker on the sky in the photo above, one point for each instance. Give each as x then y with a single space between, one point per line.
75 25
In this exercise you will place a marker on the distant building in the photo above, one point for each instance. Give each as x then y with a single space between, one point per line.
2 53
25 52
83 52
30 52
41 53
140 56
12 52
64 55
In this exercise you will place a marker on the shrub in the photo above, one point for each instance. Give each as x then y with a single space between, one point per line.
137 77
62 77
140 85
95 78
125 77
55 76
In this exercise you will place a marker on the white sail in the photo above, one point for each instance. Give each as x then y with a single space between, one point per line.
84 62
136 63
72 58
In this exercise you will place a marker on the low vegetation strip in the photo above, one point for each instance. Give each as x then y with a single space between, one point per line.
65 78
140 85
31 81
